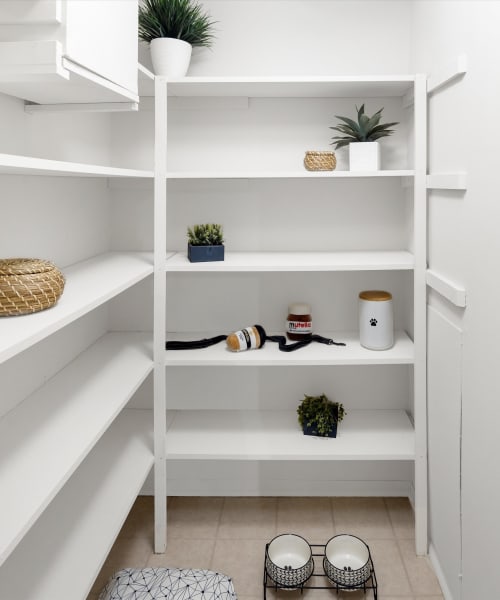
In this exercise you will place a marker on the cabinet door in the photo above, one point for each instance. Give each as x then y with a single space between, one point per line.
102 37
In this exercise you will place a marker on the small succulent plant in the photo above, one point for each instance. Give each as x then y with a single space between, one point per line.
206 234
320 412
367 129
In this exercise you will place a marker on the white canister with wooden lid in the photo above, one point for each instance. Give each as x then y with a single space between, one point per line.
376 320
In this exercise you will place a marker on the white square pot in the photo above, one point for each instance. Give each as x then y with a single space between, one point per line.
364 156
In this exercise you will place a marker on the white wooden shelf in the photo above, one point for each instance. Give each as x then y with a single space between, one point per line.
13 164
38 71
89 284
292 87
297 261
276 435
298 174
71 412
63 552
313 355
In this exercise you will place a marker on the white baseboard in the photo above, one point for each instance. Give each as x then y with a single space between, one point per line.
439 574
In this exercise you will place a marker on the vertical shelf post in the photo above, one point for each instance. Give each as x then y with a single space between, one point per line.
420 314
160 253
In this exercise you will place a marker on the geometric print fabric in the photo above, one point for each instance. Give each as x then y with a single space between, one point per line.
168 584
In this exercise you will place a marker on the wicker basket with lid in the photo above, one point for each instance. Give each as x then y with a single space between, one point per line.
28 285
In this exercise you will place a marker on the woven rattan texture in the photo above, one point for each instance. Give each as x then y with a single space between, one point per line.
320 161
28 285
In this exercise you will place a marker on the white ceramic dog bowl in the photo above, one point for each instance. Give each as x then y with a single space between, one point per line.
289 561
347 560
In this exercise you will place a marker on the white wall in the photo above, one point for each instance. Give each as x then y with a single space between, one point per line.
305 37
464 245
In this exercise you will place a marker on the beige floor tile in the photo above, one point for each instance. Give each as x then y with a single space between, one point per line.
308 517
243 561
194 518
364 517
420 573
182 554
140 521
429 597
248 518
390 571
126 552
402 517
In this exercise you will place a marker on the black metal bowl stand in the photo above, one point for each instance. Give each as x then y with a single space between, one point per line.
319 551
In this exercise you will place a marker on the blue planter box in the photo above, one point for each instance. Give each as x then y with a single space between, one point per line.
205 253
313 431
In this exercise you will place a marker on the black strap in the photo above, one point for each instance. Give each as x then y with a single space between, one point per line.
284 347
205 343
279 339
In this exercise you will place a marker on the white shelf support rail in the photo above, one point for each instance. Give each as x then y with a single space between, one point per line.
32 108
447 73
450 290
160 252
447 181
420 314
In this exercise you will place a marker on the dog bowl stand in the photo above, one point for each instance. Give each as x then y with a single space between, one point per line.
318 550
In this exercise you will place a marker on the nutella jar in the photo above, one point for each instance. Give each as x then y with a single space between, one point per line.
299 322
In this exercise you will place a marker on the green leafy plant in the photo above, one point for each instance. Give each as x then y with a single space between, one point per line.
320 413
367 129
206 234
181 19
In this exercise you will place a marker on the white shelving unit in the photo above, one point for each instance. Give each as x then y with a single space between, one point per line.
73 453
369 434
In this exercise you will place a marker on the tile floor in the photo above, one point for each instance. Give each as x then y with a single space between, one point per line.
229 535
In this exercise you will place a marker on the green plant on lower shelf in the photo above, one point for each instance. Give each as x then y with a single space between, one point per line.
206 234
320 412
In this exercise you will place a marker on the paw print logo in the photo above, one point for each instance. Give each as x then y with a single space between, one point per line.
373 322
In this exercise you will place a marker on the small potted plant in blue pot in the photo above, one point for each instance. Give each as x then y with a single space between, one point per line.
320 416
205 242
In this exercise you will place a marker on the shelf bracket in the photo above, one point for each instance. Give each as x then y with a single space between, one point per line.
448 73
447 181
446 288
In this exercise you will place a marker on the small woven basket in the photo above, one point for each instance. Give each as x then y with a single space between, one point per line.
320 160
28 285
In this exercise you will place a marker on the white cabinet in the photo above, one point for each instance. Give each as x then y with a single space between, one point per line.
231 152
74 453
69 51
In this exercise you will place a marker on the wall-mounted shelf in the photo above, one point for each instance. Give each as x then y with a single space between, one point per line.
315 354
67 545
89 284
13 164
302 174
276 435
297 261
292 87
73 409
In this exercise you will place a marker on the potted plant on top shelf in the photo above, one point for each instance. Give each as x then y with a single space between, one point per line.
361 137
205 242
320 416
172 28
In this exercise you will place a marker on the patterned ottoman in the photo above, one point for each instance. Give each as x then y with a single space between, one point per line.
168 584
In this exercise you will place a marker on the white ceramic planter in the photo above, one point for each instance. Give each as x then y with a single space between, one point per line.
364 156
170 57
